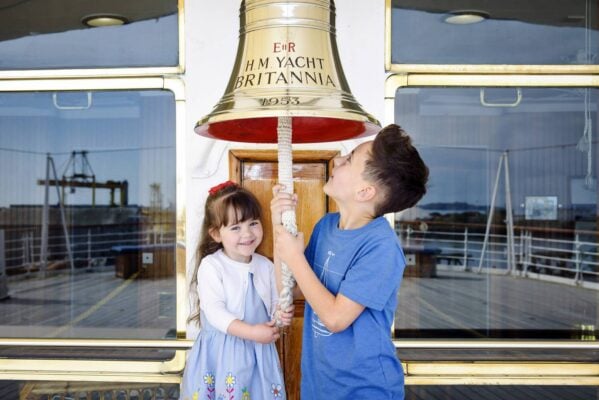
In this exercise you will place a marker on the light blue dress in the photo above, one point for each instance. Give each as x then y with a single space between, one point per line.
226 367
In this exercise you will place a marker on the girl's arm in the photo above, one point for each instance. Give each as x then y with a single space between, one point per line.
211 292
262 333
213 304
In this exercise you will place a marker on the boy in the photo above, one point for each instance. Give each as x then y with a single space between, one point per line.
351 270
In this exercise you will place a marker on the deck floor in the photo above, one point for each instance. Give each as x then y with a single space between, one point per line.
88 304
99 304
456 300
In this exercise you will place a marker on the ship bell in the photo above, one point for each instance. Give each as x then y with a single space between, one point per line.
287 65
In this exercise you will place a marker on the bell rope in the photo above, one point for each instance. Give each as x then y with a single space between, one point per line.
284 134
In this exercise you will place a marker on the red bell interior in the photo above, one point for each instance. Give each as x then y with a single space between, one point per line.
304 130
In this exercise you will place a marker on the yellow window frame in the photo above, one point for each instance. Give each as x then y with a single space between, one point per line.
168 371
522 372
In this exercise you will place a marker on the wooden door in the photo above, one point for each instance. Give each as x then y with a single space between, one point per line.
256 170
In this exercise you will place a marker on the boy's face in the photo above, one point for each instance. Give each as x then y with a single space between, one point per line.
347 179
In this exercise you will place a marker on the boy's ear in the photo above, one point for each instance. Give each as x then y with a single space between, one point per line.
367 193
215 235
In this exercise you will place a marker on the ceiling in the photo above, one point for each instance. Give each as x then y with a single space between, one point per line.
546 12
20 18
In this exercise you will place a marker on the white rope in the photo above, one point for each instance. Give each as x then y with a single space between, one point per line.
285 159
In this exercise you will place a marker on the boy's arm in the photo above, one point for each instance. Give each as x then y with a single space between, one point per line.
335 312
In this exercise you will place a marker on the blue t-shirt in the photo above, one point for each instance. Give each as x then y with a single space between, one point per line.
365 265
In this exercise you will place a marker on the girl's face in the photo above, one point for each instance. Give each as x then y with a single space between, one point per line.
241 239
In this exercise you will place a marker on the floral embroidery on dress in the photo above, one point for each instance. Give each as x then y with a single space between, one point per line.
229 380
209 381
230 383
276 390
245 395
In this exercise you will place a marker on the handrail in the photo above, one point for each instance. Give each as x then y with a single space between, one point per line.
574 259
27 254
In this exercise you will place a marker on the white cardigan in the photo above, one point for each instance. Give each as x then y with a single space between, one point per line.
223 283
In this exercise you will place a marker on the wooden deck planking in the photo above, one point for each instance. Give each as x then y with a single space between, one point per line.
453 300
458 300
89 300
54 302
459 392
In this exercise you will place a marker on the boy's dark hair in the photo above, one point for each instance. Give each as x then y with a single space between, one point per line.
396 168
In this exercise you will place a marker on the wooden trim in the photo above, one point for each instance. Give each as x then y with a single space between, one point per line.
235 164
271 155
238 156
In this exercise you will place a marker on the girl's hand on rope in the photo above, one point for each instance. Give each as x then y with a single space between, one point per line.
285 316
280 202
265 333
288 247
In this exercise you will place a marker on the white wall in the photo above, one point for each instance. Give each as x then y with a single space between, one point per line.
211 38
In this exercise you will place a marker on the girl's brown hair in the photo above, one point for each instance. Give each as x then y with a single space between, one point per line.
216 215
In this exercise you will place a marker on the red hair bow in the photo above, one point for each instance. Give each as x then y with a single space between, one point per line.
215 189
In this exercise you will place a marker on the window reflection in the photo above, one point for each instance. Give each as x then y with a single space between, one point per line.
422 34
87 214
32 390
39 35
504 244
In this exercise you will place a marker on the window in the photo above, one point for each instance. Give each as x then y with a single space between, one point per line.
89 221
91 207
494 34
505 240
87 201
43 35
502 252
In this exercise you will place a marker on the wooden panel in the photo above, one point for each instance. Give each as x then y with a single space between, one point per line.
258 172
259 178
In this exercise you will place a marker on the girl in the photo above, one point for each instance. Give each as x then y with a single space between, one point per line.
234 356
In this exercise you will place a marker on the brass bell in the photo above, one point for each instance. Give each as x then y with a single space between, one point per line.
287 65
